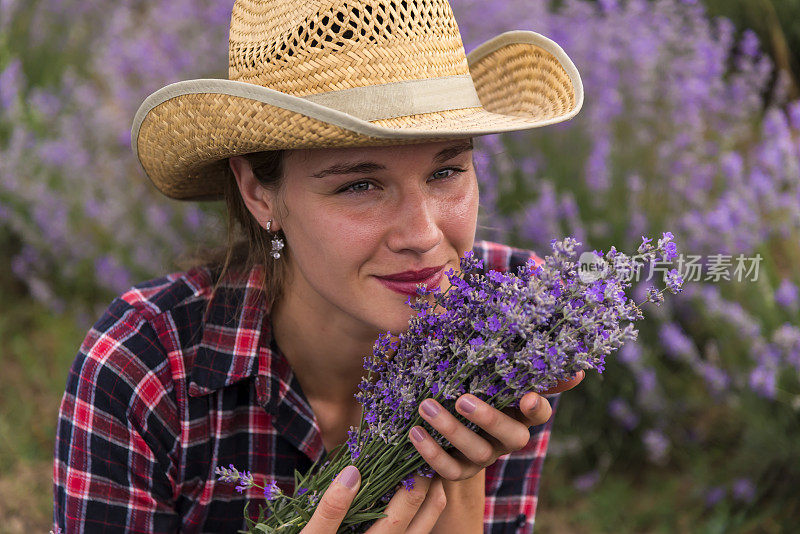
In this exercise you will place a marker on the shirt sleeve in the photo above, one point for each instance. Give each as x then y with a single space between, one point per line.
512 483
112 470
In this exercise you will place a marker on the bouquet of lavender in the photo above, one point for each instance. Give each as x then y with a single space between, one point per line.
494 335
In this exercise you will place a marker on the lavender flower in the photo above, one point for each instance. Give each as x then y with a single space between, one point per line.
272 492
587 481
227 475
676 343
787 295
670 250
408 482
494 335
763 380
743 490
620 410
231 475
674 281
657 445
245 481
655 296
714 495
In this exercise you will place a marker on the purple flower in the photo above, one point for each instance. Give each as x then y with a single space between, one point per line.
657 445
743 490
245 481
272 491
496 336
10 82
714 495
670 250
586 481
715 378
231 475
763 380
787 295
595 292
786 341
674 281
793 110
519 334
749 43
655 296
676 343
408 482
623 413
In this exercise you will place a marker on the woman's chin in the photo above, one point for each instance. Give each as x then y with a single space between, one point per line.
396 321
394 313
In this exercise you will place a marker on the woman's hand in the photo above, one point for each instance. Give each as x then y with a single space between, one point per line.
504 431
409 512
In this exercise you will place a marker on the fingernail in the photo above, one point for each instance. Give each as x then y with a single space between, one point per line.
349 477
467 405
430 408
535 403
417 434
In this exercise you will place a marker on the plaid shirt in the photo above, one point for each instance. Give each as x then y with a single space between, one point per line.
158 397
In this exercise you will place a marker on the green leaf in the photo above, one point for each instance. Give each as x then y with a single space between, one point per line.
304 514
360 517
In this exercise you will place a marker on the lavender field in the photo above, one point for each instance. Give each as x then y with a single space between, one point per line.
688 127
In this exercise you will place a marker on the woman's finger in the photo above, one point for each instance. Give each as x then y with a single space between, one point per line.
473 446
334 503
564 386
534 410
400 511
440 461
511 434
431 509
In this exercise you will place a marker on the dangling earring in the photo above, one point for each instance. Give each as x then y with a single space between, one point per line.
277 242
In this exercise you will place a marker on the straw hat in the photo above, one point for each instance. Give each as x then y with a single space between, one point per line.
336 73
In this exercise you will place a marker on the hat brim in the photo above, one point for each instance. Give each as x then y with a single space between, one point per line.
183 133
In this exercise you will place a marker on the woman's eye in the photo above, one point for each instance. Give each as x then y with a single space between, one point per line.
364 186
356 187
443 170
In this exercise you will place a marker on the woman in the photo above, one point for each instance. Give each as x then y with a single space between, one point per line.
342 144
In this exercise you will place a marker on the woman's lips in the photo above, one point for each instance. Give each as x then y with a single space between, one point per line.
409 287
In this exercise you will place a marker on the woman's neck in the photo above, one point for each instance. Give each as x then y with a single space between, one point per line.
325 349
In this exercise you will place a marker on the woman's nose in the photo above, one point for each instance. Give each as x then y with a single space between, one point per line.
415 225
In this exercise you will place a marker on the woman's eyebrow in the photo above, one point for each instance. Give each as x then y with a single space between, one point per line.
365 167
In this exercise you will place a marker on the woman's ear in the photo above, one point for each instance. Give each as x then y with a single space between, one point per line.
257 199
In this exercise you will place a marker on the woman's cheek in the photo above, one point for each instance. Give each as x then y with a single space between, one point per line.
460 216
356 225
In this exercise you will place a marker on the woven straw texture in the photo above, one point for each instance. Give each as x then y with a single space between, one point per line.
302 48
307 47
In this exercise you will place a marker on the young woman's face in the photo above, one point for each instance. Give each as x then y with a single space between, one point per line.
354 215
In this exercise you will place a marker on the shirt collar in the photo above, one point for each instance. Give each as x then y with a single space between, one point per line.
236 344
232 331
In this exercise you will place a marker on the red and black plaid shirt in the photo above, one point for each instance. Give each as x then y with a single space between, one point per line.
157 399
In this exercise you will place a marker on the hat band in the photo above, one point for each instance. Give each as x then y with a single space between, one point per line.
399 99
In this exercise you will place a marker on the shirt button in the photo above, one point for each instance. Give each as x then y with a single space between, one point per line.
521 518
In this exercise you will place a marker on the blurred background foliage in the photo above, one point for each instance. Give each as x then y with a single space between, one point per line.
691 125
777 23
